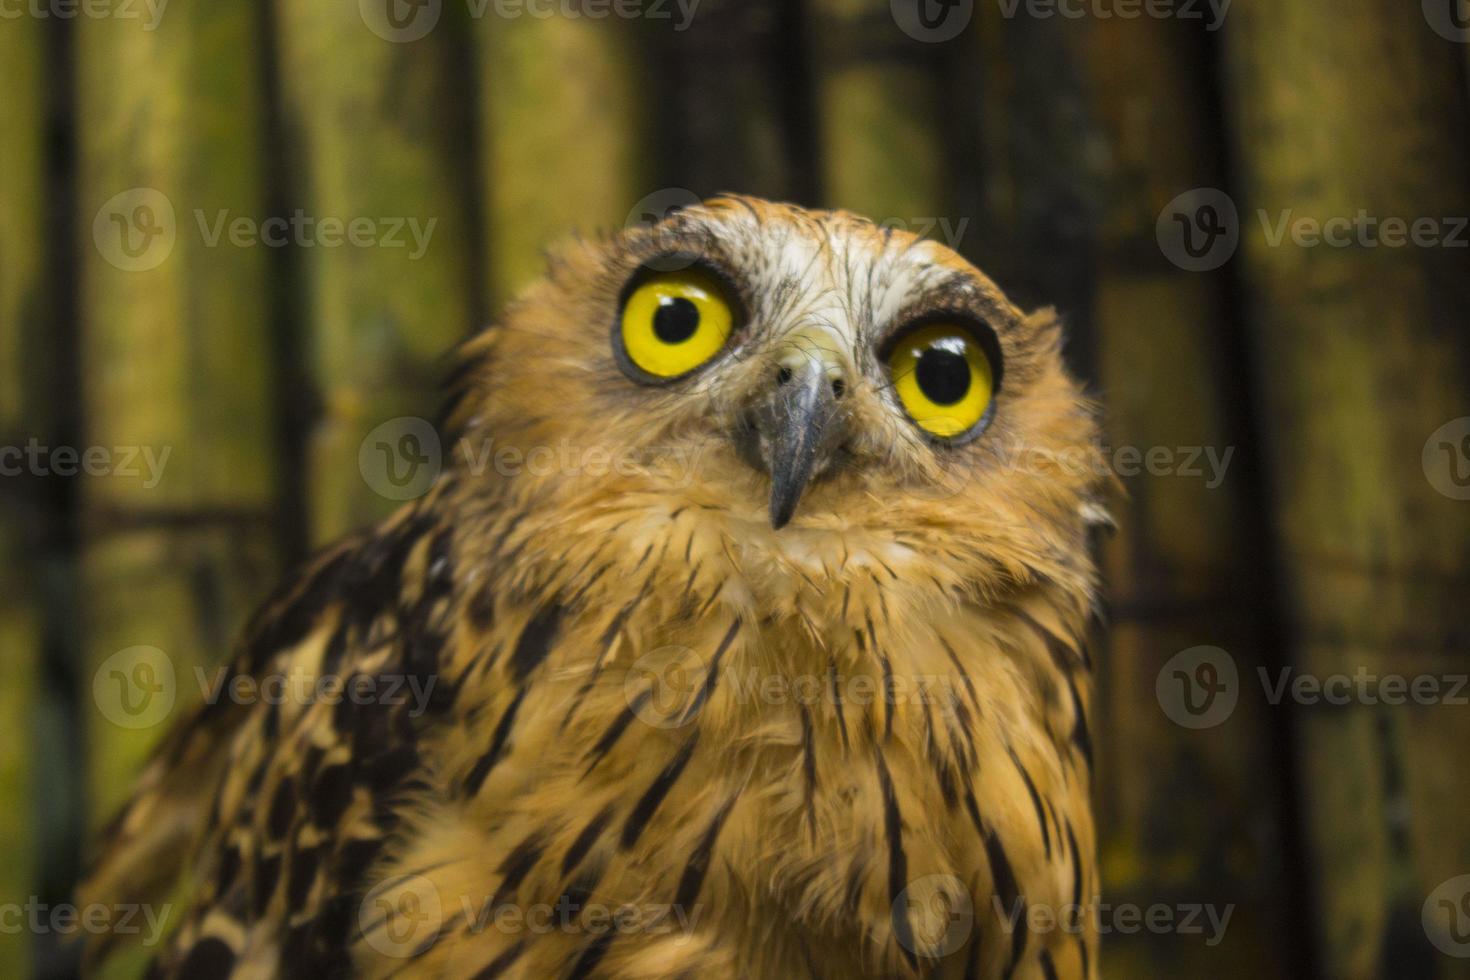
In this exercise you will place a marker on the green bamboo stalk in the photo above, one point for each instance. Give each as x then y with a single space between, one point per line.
20 647
733 54
1362 354
1180 574
377 133
21 300
566 143
878 100
174 361
1032 178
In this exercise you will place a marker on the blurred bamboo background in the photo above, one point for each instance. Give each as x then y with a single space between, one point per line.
1045 148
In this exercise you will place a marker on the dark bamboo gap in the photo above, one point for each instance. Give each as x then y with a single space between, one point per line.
466 123
61 801
296 401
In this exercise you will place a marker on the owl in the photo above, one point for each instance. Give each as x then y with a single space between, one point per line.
742 634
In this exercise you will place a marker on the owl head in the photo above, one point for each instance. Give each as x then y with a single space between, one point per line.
794 388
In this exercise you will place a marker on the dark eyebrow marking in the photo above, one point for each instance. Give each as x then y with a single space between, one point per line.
746 205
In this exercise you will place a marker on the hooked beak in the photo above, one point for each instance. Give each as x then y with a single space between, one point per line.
799 427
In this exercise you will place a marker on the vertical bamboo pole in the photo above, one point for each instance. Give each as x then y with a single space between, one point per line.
378 137
566 140
743 56
1180 573
1363 355
22 223
1034 192
20 651
177 525
879 102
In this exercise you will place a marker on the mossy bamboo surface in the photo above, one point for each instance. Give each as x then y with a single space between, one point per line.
22 223
1180 572
1363 354
174 357
376 132
566 142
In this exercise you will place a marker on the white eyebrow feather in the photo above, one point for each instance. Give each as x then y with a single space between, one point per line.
845 273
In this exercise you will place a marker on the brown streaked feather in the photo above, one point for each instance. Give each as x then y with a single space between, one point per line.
928 720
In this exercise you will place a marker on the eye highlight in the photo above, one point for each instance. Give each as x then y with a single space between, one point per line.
673 322
944 377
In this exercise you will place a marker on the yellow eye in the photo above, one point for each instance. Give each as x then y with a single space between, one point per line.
943 377
673 322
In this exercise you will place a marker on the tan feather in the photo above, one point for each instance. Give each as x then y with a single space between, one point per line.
774 753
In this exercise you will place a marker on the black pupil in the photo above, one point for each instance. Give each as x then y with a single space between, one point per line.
676 319
944 376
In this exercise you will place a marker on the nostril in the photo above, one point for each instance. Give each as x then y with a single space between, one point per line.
783 375
839 387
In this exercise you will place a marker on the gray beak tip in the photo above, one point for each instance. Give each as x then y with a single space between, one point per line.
801 425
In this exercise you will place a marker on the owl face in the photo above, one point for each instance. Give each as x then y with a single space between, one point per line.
808 382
